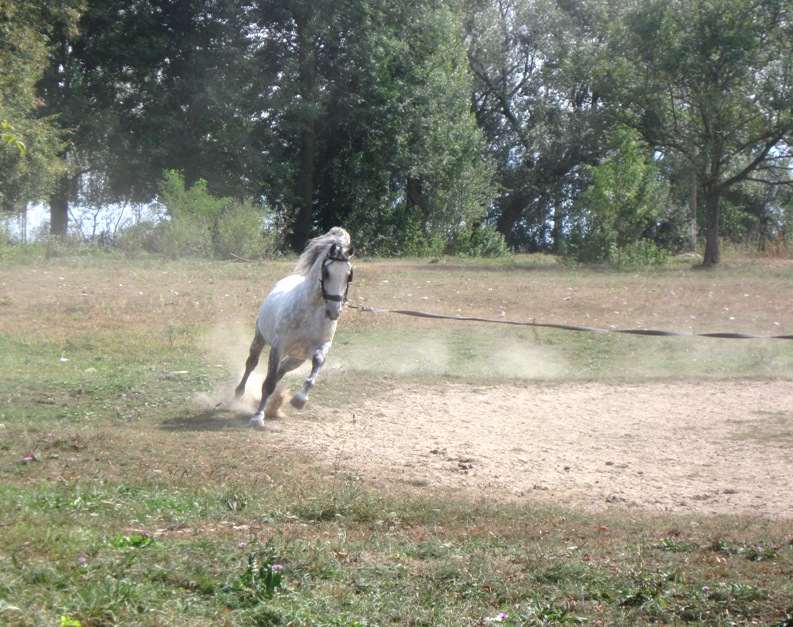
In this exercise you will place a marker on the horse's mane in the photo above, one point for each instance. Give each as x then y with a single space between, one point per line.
318 246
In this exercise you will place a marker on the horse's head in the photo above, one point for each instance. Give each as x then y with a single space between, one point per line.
337 273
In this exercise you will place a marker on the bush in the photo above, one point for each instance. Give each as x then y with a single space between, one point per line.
483 241
189 236
642 253
193 223
241 233
138 238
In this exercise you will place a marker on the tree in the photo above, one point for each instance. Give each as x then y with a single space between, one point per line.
366 112
147 86
29 143
712 82
622 207
534 99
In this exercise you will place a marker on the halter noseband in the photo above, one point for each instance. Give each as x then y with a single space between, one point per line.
336 298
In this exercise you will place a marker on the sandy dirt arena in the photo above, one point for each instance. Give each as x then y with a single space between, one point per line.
704 448
711 443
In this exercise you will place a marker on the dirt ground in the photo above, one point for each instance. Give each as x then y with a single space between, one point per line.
705 448
709 447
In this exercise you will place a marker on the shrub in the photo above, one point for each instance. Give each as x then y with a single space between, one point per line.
140 237
193 223
188 236
241 232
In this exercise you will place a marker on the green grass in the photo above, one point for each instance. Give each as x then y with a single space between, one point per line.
120 507
136 554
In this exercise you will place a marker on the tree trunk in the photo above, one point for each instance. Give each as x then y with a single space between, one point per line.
712 253
304 189
510 215
692 208
304 180
59 208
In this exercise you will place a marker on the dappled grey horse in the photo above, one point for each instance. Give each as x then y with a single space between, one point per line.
298 318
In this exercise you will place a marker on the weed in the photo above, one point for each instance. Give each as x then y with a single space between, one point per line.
262 574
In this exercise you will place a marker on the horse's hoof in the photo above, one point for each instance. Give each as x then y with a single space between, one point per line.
299 400
257 422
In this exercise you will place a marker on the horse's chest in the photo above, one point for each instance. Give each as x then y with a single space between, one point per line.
294 328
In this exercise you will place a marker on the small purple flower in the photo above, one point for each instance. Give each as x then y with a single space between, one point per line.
27 459
277 567
706 587
82 560
242 545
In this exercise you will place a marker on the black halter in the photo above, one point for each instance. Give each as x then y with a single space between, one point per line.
336 298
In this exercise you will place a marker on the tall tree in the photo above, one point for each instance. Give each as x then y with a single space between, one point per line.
29 142
366 102
146 86
711 81
534 99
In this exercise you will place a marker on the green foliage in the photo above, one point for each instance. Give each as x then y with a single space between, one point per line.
262 574
142 237
196 224
131 541
395 152
620 208
8 136
412 124
245 230
536 103
705 81
189 236
644 252
30 143
193 204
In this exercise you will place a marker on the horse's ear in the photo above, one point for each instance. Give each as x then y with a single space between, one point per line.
334 250
350 250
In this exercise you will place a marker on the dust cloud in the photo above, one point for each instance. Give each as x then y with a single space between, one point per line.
453 355
226 346
440 353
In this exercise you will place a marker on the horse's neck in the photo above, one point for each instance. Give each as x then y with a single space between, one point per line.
310 286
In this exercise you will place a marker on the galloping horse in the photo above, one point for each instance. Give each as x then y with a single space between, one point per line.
298 318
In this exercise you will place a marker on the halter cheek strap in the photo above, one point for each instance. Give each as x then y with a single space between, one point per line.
336 298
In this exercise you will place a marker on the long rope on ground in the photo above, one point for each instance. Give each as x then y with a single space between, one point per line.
570 327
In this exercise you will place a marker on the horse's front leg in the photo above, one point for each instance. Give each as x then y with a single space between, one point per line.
273 363
300 399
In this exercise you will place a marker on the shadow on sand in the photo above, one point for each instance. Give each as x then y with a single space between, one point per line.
212 419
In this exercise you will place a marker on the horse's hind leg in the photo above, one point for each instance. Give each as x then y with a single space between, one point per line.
257 422
257 346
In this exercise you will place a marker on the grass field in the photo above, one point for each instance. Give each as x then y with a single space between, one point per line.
116 509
